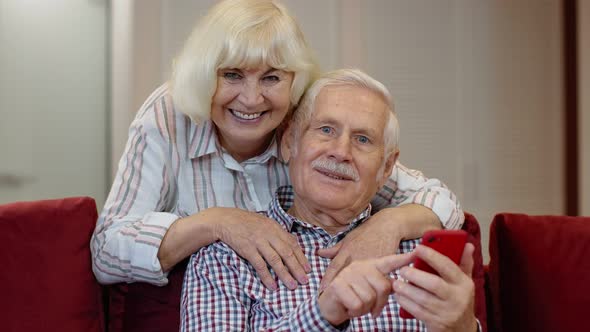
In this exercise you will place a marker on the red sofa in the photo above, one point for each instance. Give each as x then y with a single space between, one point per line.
538 278
46 279
539 273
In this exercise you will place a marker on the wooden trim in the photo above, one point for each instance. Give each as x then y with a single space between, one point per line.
570 61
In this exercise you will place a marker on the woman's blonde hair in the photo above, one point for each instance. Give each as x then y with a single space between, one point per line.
239 34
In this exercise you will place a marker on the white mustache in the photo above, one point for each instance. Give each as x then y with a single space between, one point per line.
342 170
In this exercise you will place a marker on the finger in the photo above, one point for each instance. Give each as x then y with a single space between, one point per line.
273 259
445 267
289 258
300 255
349 299
336 265
466 263
330 252
291 244
386 264
427 281
427 300
261 268
414 308
382 286
366 294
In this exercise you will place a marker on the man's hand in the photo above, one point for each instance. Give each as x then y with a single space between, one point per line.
443 303
362 287
378 236
262 241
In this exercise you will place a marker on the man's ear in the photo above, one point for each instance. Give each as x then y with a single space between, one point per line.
286 141
389 163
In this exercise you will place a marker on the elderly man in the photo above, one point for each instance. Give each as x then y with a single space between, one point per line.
342 145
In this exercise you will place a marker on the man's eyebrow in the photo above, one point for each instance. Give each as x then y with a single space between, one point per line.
325 120
367 131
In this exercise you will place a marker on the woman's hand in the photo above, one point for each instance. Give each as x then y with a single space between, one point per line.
378 236
263 241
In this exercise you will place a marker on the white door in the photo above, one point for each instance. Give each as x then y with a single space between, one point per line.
53 99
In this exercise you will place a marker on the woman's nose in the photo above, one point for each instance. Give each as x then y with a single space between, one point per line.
251 94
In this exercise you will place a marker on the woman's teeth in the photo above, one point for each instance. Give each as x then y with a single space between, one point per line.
246 116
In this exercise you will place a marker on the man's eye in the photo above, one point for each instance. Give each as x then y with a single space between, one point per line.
363 139
326 129
231 75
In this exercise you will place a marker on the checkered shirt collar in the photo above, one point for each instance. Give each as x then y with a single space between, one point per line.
283 201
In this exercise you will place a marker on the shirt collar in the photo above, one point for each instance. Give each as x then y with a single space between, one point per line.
204 141
283 201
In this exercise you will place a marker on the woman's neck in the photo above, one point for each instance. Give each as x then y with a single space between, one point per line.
245 149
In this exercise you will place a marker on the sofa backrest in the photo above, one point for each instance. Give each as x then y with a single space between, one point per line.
144 307
46 279
471 226
539 273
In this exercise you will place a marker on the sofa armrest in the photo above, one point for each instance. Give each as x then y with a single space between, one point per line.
46 278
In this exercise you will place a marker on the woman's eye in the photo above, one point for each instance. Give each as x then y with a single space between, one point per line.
231 75
271 78
363 139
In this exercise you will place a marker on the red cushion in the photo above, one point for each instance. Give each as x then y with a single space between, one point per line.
471 226
147 308
539 272
46 279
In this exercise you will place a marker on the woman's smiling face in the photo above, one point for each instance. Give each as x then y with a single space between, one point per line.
248 105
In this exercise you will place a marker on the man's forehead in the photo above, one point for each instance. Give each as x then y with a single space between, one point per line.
334 100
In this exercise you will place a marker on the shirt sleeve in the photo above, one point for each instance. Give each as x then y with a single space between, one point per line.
407 186
213 297
130 228
306 317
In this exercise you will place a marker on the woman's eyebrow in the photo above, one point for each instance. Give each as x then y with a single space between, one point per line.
271 70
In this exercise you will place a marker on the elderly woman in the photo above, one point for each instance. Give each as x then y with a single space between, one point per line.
203 156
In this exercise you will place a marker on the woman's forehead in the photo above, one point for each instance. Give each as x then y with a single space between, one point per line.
260 68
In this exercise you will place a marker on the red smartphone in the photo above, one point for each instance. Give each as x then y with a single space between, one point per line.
447 242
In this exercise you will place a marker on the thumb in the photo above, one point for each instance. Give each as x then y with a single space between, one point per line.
330 252
386 264
466 263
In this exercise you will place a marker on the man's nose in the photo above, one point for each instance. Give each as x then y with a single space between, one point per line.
251 94
341 148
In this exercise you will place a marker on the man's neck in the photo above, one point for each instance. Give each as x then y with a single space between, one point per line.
332 221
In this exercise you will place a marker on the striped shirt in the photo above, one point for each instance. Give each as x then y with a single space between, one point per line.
173 168
222 292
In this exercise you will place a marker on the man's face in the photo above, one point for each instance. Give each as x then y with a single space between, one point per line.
337 162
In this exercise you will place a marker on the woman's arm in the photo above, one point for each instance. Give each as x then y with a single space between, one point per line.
254 237
407 186
130 228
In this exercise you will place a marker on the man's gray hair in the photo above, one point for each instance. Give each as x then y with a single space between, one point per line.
349 77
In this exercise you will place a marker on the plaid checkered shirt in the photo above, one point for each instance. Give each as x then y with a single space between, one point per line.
222 291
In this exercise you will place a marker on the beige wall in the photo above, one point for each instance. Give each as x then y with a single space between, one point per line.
477 86
53 99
